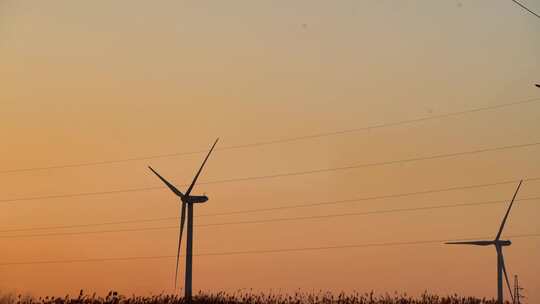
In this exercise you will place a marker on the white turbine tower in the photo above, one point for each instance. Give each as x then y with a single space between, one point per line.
499 244
187 200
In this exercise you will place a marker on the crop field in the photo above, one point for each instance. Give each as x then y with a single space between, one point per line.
249 298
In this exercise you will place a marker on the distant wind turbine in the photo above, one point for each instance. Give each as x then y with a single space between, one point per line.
499 244
187 201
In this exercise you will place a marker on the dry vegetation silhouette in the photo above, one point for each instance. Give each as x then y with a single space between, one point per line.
249 297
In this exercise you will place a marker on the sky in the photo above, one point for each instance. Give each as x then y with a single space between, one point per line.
95 81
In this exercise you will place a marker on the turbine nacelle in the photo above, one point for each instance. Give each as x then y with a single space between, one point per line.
503 243
195 199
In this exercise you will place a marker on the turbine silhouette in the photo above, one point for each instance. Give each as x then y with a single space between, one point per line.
499 244
187 201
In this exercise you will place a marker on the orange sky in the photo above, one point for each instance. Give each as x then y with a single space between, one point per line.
95 81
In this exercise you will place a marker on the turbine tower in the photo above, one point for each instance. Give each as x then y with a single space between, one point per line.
187 200
499 244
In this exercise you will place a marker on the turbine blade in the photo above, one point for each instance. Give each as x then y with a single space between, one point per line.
477 243
200 169
508 212
171 186
506 276
182 220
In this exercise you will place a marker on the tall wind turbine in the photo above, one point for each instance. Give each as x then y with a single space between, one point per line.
187 201
499 244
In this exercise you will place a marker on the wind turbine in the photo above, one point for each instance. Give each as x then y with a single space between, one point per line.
499 244
187 201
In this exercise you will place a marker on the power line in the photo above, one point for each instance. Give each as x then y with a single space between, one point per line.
526 8
373 212
262 251
285 207
277 141
282 219
356 246
80 194
54 227
306 205
287 174
377 164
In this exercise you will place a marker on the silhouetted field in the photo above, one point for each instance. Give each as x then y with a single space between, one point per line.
250 298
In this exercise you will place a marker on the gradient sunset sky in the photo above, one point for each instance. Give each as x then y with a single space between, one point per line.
92 81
